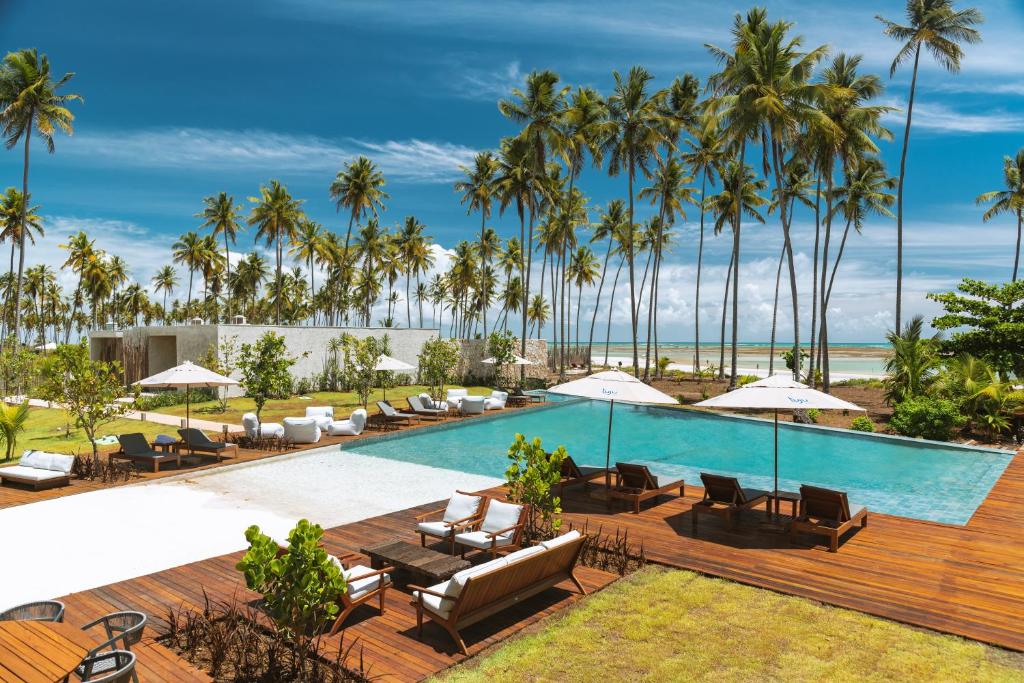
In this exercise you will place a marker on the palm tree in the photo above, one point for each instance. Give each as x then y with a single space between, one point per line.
371 246
30 103
13 215
1010 200
478 190
913 363
211 263
417 258
359 187
538 311
939 28
310 247
187 251
277 214
612 219
583 271
637 133
81 250
223 216
250 275
165 280
739 195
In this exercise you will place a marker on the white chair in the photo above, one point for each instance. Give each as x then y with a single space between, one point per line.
455 396
496 401
301 430
353 426
431 403
254 429
502 528
462 509
324 416
471 405
40 470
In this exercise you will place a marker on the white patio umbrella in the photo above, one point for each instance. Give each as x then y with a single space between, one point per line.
775 393
186 375
389 364
612 386
516 360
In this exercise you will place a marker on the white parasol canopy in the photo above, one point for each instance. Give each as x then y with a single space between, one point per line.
516 360
612 386
778 392
186 375
387 363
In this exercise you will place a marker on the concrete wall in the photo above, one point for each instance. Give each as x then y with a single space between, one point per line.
473 351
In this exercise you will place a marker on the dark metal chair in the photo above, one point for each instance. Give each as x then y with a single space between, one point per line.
42 610
123 630
113 666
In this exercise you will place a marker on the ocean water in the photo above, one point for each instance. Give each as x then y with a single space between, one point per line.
922 480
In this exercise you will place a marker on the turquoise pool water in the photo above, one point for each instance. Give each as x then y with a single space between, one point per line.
921 480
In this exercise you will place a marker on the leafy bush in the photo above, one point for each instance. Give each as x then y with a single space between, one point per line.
926 417
866 382
743 380
303 385
265 369
174 397
301 585
813 414
532 476
862 424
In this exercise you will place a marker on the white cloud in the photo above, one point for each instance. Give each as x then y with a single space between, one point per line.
411 160
488 84
940 118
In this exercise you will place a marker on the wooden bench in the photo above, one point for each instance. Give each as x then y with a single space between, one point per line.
479 592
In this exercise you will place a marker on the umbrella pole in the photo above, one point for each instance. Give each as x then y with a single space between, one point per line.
188 418
608 450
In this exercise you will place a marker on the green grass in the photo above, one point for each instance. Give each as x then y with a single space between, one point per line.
46 431
661 625
276 410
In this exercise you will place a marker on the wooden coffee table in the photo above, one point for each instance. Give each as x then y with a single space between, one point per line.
413 563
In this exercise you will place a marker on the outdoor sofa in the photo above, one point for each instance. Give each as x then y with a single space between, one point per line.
39 470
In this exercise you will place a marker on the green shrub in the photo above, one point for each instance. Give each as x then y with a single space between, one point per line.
300 586
862 424
746 379
813 414
926 417
532 477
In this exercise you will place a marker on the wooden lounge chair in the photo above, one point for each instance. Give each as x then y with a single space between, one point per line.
136 449
417 407
573 474
724 497
196 441
478 592
826 513
392 415
500 529
635 484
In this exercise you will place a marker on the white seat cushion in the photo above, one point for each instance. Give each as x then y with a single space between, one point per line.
47 461
560 540
454 585
343 428
320 411
442 607
438 529
501 516
483 540
357 587
461 506
271 429
30 473
524 553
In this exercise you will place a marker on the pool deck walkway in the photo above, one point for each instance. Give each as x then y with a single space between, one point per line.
967 581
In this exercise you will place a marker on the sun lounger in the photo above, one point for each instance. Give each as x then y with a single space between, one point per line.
136 449
196 441
486 589
428 402
501 528
256 430
463 510
324 416
496 401
417 407
724 497
40 470
826 513
392 415
301 430
635 484
573 474
353 426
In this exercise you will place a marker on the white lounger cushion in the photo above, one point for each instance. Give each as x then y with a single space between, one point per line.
324 416
461 506
357 587
41 460
353 426
501 516
524 553
301 429
560 540
472 405
438 529
442 607
431 403
453 587
496 401
483 540
30 473
266 429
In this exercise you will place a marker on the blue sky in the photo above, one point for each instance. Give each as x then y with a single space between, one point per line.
187 99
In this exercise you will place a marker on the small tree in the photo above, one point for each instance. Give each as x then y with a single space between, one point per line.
87 389
300 585
989 323
223 359
502 347
360 358
438 360
264 367
532 477
12 423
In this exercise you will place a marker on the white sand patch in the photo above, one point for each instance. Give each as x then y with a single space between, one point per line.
78 542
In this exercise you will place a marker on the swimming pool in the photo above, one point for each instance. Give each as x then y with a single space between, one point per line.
923 480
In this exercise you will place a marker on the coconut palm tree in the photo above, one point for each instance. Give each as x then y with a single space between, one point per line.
371 247
81 250
478 192
612 220
739 196
249 277
1010 200
13 215
278 215
223 216
583 272
359 187
30 103
165 280
188 252
940 29
310 247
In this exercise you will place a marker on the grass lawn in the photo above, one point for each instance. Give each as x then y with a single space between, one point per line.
276 410
46 429
662 625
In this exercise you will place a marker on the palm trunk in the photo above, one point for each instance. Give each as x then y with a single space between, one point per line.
725 310
24 228
734 375
483 271
814 285
632 275
611 307
656 250
899 192
597 304
227 252
700 258
835 265
1016 252
785 216
823 337
775 312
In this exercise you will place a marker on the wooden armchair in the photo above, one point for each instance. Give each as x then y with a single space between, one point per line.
464 511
